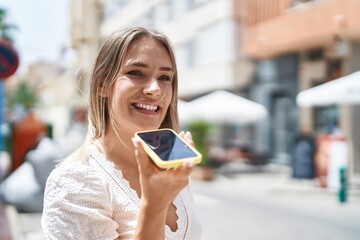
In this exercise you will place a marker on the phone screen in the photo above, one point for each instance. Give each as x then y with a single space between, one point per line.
167 145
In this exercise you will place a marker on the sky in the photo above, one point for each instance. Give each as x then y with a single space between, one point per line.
43 28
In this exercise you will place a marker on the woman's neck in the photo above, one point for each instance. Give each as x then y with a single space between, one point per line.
119 149
122 153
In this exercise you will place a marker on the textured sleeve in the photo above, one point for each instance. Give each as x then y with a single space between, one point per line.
77 206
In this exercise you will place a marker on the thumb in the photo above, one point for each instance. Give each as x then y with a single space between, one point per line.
141 156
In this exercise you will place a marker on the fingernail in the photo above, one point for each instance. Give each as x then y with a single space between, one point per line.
188 134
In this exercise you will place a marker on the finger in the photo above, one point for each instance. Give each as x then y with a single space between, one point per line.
188 166
182 134
182 173
136 146
140 155
188 135
188 139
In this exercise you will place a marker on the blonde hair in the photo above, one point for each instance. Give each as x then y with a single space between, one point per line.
108 63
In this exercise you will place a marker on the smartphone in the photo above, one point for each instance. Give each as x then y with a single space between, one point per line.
166 148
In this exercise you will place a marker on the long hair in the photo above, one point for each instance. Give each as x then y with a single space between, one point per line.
108 63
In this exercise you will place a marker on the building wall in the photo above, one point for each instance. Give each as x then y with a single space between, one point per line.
353 117
275 86
315 72
280 27
85 37
205 35
302 27
310 73
215 39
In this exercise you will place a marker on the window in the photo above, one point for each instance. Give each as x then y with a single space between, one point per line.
195 3
217 43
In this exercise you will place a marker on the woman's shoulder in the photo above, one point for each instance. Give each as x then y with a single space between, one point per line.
69 174
83 170
73 171
75 182
78 164
70 169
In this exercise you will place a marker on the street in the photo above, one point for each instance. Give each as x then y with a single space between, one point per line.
257 207
247 205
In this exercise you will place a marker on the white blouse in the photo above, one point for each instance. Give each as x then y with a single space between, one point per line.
92 200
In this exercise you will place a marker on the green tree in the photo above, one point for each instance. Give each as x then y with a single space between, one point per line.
5 28
24 96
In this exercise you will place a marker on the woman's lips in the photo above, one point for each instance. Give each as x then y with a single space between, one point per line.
145 107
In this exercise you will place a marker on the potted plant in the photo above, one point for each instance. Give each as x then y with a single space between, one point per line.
26 128
199 130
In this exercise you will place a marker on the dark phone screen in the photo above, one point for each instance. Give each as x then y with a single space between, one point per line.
167 145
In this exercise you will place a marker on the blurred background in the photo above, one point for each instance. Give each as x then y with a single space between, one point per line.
270 90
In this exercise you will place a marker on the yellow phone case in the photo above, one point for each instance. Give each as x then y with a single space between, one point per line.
168 164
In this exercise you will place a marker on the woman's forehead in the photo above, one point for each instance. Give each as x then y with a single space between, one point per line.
148 49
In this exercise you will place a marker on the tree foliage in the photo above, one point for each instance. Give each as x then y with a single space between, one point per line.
199 131
23 95
5 28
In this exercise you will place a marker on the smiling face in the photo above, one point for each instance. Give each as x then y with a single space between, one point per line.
134 80
142 92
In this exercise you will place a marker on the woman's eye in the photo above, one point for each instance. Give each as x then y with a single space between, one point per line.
164 78
135 73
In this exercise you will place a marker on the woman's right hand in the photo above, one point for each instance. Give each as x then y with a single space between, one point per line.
159 187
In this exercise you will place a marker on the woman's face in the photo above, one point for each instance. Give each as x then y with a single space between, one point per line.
143 89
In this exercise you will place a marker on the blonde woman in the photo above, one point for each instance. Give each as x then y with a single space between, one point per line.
108 188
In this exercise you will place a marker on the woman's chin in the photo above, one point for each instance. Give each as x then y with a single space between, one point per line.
147 126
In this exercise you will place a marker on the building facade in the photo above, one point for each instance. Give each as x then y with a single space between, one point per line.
205 34
297 45
86 18
266 50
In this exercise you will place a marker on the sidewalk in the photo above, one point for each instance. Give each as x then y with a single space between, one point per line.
269 180
276 179
264 202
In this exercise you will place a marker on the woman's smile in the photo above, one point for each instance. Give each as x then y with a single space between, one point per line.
145 108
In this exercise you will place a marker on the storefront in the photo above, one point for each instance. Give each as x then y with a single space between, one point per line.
275 86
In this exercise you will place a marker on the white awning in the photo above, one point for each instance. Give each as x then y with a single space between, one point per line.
184 112
222 107
345 90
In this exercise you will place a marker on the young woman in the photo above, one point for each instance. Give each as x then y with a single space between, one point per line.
109 188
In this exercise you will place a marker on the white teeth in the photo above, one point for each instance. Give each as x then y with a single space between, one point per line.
146 106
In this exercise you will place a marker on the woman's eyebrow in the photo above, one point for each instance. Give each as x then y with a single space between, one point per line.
139 64
144 65
169 69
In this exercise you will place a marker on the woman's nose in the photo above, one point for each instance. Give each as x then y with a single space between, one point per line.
152 88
